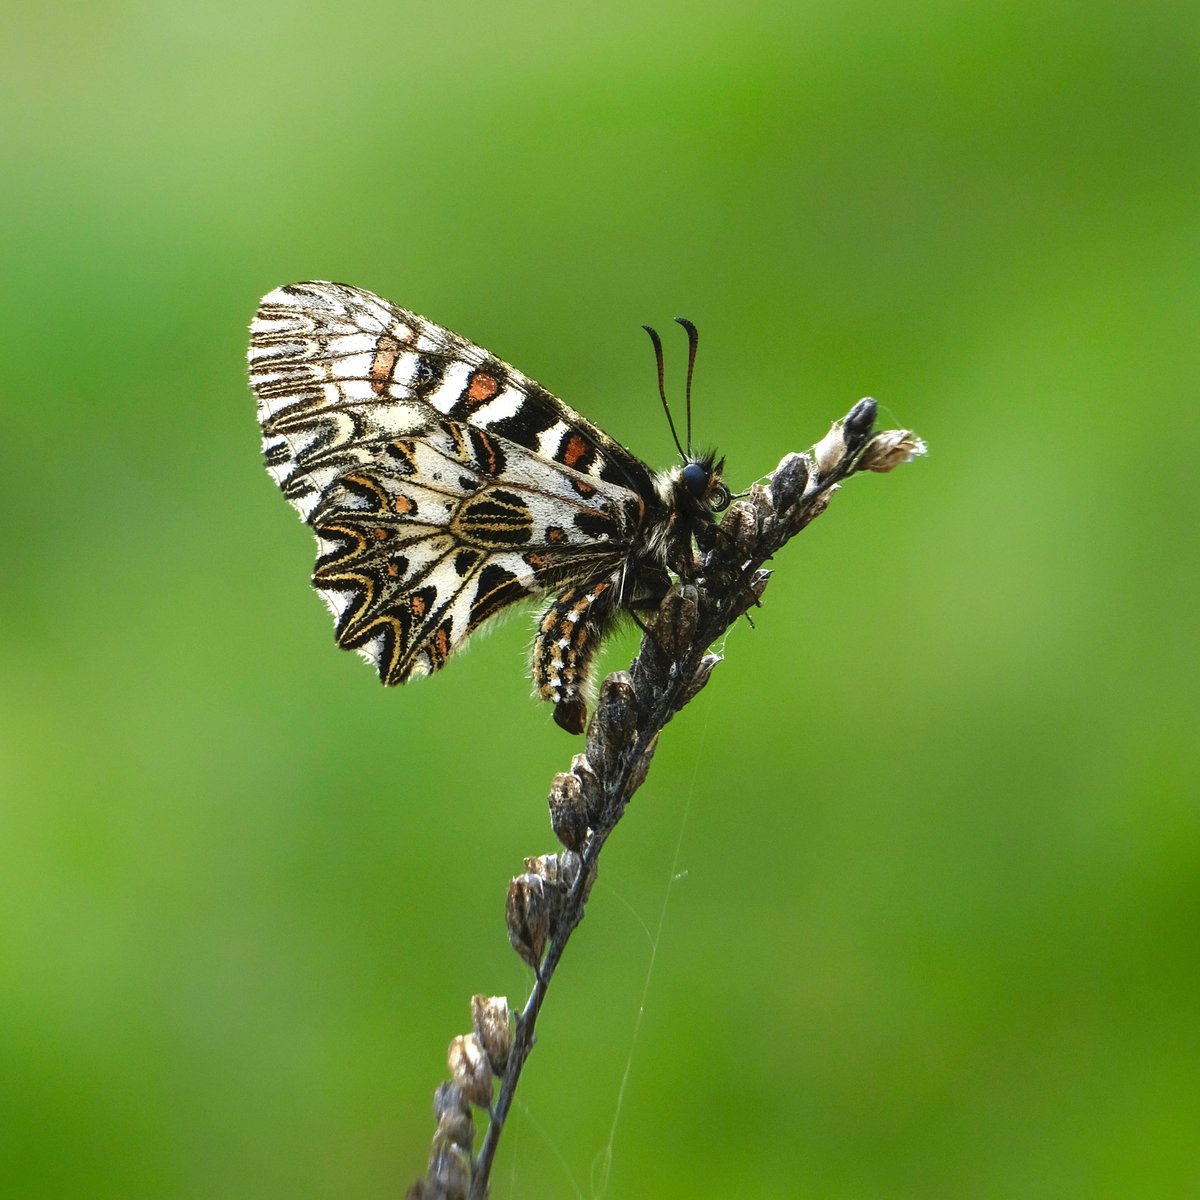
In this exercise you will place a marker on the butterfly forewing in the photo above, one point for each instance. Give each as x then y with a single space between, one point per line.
442 484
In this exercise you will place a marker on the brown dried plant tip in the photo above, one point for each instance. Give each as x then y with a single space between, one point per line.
527 913
889 450
492 1023
613 727
568 811
637 776
470 1069
858 423
558 870
593 793
677 615
701 677
545 903
448 1099
455 1129
449 1175
739 529
789 481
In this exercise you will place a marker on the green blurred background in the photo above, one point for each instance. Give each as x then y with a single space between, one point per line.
928 846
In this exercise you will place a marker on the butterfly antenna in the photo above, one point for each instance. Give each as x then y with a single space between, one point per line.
662 391
693 341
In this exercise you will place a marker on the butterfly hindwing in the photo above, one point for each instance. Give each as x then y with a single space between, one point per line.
443 485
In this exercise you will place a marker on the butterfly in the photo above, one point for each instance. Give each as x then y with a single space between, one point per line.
444 486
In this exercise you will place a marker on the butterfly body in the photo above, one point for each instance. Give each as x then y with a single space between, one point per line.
443 485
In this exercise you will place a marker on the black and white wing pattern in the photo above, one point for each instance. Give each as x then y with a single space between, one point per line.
443 485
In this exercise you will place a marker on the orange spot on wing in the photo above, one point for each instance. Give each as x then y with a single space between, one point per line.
574 450
403 505
381 534
482 388
387 350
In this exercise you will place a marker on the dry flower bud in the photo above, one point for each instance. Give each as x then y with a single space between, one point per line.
492 1024
703 670
637 774
568 811
830 451
449 1098
527 912
740 529
547 867
888 450
613 727
760 498
676 624
593 793
449 1174
789 480
858 423
456 1129
569 866
470 1069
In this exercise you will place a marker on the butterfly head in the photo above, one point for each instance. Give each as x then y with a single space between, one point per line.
698 487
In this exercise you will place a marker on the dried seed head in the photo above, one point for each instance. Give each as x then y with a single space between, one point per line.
568 811
760 497
527 912
637 774
547 867
492 1024
676 624
449 1174
593 793
449 1098
830 451
456 1129
559 873
703 670
789 480
470 1069
888 450
858 423
740 529
613 727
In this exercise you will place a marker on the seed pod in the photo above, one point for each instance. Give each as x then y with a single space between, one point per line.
890 449
456 1129
740 529
858 423
449 1098
676 624
613 727
527 913
492 1023
568 811
593 793
637 776
470 1069
790 480
830 451
703 670
449 1174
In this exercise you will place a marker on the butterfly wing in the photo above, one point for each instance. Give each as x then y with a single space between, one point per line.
442 484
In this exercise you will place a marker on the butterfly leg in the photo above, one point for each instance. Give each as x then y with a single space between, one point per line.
568 637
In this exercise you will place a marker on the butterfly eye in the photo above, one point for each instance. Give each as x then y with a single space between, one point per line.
696 478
